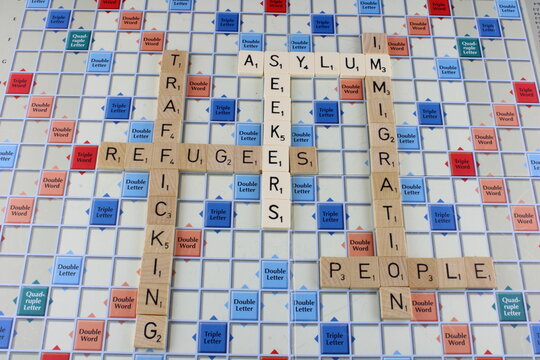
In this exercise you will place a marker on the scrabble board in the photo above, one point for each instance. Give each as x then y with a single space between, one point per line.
80 75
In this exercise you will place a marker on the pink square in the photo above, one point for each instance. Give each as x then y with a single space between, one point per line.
52 183
152 41
524 218
19 210
40 107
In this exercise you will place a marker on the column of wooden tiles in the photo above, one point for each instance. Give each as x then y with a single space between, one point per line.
163 162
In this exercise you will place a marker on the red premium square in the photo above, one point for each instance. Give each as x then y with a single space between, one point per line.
462 164
152 41
526 92
199 86
418 25
398 46
130 20
109 4
439 7
55 356
275 6
84 157
351 89
20 83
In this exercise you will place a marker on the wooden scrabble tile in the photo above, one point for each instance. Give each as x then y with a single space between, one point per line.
173 84
302 64
276 214
381 110
220 158
385 186
192 157
352 65
327 64
423 273
276 62
393 271
161 210
174 61
395 303
170 107
153 299
452 273
164 182
277 85
167 130
378 87
156 268
250 63
165 156
382 134
138 156
277 133
387 213
378 65
391 241
374 43
247 159
277 109
303 160
275 158
384 159
151 332
111 156
480 273
364 272
159 239
334 272
276 185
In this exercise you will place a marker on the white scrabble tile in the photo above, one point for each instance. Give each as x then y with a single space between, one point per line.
277 133
277 85
327 64
302 64
275 158
276 185
276 214
251 63
378 65
277 109
352 65
276 62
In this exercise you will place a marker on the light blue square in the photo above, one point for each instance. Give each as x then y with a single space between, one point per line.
99 62
244 305
534 164
37 4
180 5
408 138
275 275
247 187
302 135
412 190
448 69
143 131
508 8
251 42
304 306
303 188
299 43
248 134
369 7
8 155
148 357
135 185
67 270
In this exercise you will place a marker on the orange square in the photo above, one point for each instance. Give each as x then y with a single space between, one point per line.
456 339
351 89
53 183
123 303
40 107
130 20
188 243
418 25
152 41
360 244
398 46
19 210
524 218
505 115
198 86
89 335
61 131
424 307
493 191
485 139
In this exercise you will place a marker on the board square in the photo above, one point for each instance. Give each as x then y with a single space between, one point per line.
505 115
19 210
212 338
67 270
104 212
99 62
37 4
326 112
526 92
40 107
493 191
217 214
141 131
78 40
429 113
180 5
188 243
488 27
52 183
130 20
322 24
442 217
247 187
33 301
330 217
248 134
334 339
223 110
299 43
508 8
398 46
369 7
424 307
109 4
118 108
244 305
58 19
275 6
135 185
274 275
524 218
351 89
123 303
485 139
418 25
20 83
8 155
148 357
55 356
456 339
534 164
302 135
303 188
448 68
304 306
199 86
408 138
227 22
469 47
412 190
511 307
360 244
251 42
462 164
89 335
152 41
535 335
84 157
439 7
6 324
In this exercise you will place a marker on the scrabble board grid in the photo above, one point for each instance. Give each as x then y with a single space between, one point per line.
393 338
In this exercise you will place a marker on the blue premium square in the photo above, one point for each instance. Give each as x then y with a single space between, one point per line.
244 305
429 113
330 217
247 187
508 8
303 188
369 7
534 164
408 138
248 134
448 68
180 5
118 108
252 42
488 27
275 275
58 19
99 62
412 190
104 212
223 110
135 185
217 214
8 154
212 338
302 135
142 131
304 306
535 338
148 357
442 217
299 43
6 325
326 112
322 24
67 270
334 339
37 4
227 21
